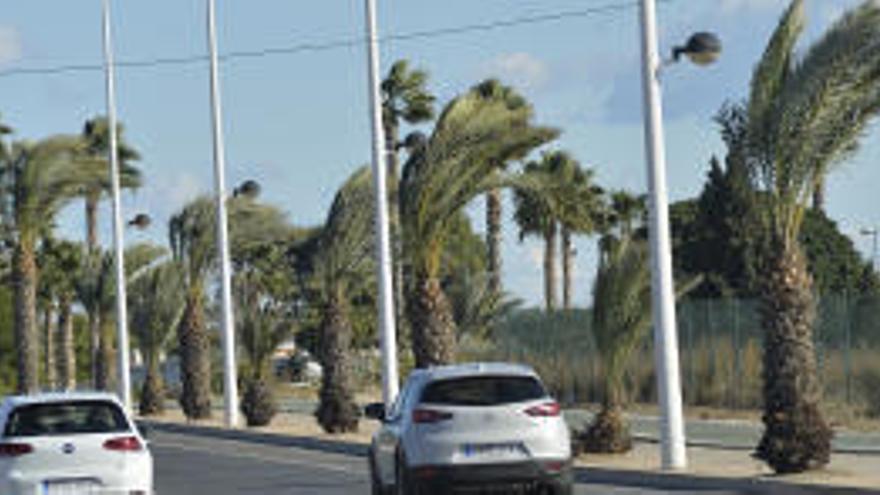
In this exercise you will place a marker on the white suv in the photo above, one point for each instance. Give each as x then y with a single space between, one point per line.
472 426
71 443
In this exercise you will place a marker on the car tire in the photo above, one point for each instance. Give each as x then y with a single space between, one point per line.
376 487
403 485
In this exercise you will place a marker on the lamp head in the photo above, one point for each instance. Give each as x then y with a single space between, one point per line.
140 221
249 189
702 49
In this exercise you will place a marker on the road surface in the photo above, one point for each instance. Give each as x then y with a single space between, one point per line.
194 465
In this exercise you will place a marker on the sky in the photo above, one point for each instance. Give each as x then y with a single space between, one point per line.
297 120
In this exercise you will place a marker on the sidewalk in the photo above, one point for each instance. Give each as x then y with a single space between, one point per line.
709 467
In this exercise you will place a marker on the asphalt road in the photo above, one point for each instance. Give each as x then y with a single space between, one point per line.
187 465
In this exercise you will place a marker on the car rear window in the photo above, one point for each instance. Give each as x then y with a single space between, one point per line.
483 391
64 418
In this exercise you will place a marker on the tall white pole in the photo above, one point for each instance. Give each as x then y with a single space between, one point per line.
230 380
387 330
118 241
672 435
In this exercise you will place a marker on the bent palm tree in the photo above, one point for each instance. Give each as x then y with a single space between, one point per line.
456 164
156 302
192 235
262 326
342 267
621 319
40 179
804 116
404 98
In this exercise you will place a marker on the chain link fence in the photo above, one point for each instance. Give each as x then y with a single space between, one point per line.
720 342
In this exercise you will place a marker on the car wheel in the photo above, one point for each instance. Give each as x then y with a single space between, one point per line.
375 484
402 483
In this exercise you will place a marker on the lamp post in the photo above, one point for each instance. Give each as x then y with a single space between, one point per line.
118 240
702 48
872 232
388 338
230 379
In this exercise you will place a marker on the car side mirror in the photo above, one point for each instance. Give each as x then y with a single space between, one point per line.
375 411
144 429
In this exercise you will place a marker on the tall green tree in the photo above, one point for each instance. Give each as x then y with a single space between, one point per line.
39 179
442 175
343 266
405 98
156 306
58 263
805 115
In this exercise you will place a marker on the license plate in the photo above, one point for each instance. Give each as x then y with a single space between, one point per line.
492 450
71 488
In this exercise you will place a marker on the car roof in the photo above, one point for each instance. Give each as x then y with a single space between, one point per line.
50 397
474 369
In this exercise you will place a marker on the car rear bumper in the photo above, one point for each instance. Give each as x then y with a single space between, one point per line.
510 478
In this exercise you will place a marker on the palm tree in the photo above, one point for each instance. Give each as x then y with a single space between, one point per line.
156 304
96 135
404 98
262 326
535 216
66 260
492 88
192 235
96 287
40 178
805 114
583 211
442 175
342 268
621 319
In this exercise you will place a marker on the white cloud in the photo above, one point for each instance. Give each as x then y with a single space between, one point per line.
10 45
520 69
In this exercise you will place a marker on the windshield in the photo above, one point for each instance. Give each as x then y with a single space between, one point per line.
64 418
483 391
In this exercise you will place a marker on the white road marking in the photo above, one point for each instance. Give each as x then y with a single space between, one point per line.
264 458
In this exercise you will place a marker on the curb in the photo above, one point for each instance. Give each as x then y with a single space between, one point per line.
593 475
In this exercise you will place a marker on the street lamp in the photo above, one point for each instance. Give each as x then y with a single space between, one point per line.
118 241
872 232
230 379
387 332
140 221
249 189
701 48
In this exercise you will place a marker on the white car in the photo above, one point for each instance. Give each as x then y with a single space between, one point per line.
474 427
71 443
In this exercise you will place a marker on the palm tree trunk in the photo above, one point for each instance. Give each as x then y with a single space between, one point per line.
796 436
567 267
195 359
153 390
550 302
609 433
94 321
819 195
49 347
104 376
493 240
433 324
26 337
67 354
91 201
337 411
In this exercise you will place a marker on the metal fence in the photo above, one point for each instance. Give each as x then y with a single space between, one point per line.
721 353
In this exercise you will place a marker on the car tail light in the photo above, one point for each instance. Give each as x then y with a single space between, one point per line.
15 449
546 410
123 444
430 416
554 466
